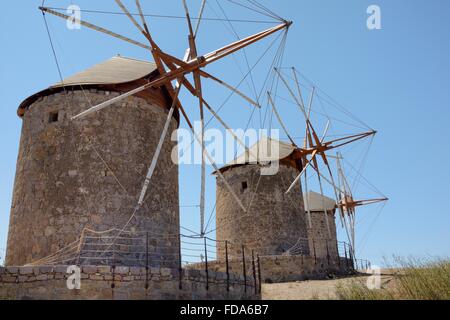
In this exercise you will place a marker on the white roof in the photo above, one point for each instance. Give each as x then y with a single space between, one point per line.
265 150
315 202
116 70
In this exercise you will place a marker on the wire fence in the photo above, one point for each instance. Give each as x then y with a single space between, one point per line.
209 254
182 252
118 247
144 249
362 264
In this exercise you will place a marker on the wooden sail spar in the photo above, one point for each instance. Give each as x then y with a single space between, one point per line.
313 145
347 204
173 69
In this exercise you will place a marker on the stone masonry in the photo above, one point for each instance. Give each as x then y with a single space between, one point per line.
320 242
274 222
120 283
276 269
88 173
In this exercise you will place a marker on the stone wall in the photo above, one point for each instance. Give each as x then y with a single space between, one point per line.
275 269
296 268
103 282
63 185
274 221
320 242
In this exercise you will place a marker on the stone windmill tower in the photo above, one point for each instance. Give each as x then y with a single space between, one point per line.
88 174
274 221
322 244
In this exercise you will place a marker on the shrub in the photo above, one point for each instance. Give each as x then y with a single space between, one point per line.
414 279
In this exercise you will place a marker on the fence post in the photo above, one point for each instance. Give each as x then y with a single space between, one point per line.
351 256
227 265
259 273
180 264
244 270
146 260
113 284
328 253
206 265
114 253
346 257
80 247
338 256
314 250
254 272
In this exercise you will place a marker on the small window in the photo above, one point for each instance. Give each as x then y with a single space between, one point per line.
244 185
53 117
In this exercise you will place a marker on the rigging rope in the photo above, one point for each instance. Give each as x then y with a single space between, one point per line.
267 13
167 16
251 116
331 101
244 51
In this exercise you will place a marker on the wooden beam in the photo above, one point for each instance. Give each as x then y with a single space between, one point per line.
313 155
230 189
279 118
96 28
133 20
155 158
238 45
230 87
190 66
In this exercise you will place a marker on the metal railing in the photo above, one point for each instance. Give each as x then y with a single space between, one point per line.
144 249
201 253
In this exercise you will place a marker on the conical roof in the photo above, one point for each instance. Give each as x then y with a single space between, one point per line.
317 203
115 71
263 151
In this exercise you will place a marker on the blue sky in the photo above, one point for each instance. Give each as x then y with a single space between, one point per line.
395 79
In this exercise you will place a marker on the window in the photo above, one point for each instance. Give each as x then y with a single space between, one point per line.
244 185
53 117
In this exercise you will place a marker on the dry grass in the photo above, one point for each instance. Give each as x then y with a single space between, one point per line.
417 280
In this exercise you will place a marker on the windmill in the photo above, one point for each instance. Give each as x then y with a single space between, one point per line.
172 77
347 204
313 144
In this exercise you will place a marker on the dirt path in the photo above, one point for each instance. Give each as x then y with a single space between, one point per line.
309 290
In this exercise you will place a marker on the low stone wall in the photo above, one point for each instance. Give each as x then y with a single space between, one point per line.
276 269
295 268
120 283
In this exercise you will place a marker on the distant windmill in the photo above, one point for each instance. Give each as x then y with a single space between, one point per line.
347 204
313 144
